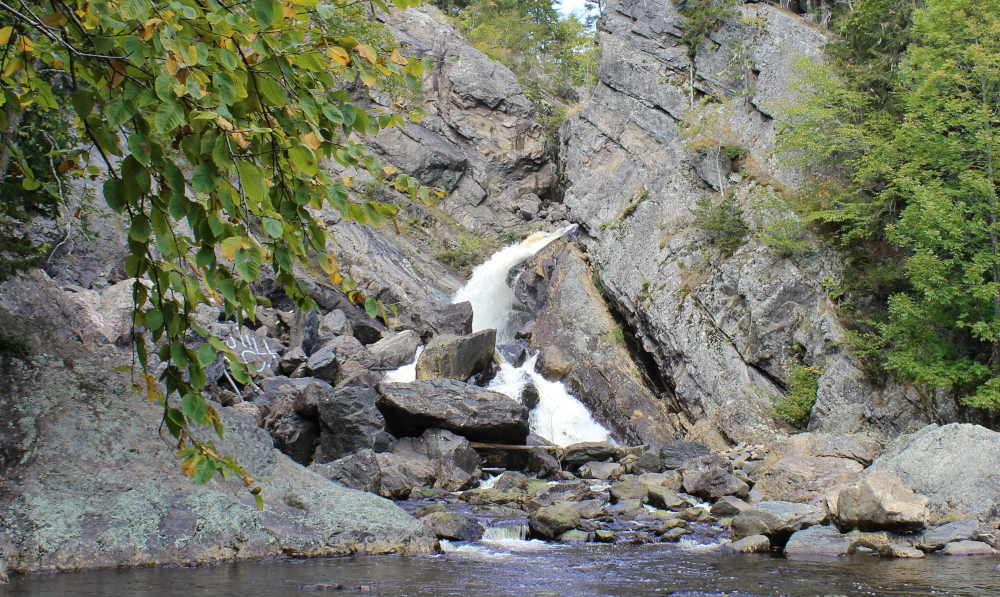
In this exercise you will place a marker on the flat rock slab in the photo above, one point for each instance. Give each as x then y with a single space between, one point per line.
477 413
775 519
968 548
959 530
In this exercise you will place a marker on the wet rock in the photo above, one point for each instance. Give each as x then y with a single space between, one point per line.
457 357
665 499
334 323
584 452
777 520
675 455
954 465
728 506
881 501
713 483
751 544
549 522
628 487
543 463
696 514
428 509
350 422
491 495
573 536
603 536
396 350
454 318
404 468
898 550
968 548
515 354
293 434
817 541
594 508
455 527
960 530
476 413
674 535
572 491
625 508
647 462
511 480
601 471
804 479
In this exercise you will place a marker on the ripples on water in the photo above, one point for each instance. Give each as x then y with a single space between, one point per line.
501 569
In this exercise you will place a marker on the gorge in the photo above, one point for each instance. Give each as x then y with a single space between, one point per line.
571 387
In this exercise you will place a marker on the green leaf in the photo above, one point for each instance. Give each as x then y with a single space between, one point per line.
139 145
272 90
253 183
264 12
273 227
113 195
168 116
205 178
206 354
204 470
154 319
195 408
259 501
371 307
248 262
140 229
174 419
83 103
303 158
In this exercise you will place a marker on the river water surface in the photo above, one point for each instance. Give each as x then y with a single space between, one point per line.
520 568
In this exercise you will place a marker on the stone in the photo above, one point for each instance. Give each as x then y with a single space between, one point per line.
349 422
293 434
367 331
548 522
530 205
457 465
804 479
728 506
357 471
665 499
628 487
968 548
479 414
584 452
881 501
777 520
511 480
959 530
491 495
602 536
573 536
751 544
838 446
671 480
457 357
674 455
601 471
817 541
674 535
696 514
568 492
713 484
292 360
404 468
541 462
428 509
334 323
323 364
647 462
957 466
453 318
898 550
455 527
397 350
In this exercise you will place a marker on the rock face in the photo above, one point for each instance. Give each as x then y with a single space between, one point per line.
720 329
956 466
476 413
119 497
350 422
882 502
457 357
584 347
805 479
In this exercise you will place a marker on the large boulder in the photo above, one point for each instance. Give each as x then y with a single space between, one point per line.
584 452
818 541
777 520
293 434
453 526
88 482
674 455
477 413
882 502
960 530
397 350
805 479
358 471
548 522
957 466
457 357
350 421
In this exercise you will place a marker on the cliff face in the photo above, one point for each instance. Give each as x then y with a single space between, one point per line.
725 331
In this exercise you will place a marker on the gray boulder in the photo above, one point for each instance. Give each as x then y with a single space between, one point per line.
548 522
453 318
511 480
479 414
751 544
674 455
960 530
817 541
334 323
453 526
728 506
665 499
957 466
293 434
358 471
396 350
584 452
804 479
457 465
323 364
777 520
457 357
882 502
713 483
968 548
349 422
601 471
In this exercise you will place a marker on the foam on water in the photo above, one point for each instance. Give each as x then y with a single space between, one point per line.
406 373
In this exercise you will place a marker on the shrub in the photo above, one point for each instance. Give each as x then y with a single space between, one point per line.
780 230
795 407
467 251
724 222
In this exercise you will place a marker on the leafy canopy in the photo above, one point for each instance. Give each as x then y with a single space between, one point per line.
210 122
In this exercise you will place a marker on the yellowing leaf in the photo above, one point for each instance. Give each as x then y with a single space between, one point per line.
289 11
25 44
368 79
224 124
347 180
312 140
328 263
171 65
397 58
389 170
337 53
366 52
13 66
240 139
336 279
229 246
5 33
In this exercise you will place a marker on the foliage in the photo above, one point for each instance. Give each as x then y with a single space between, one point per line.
779 230
907 178
702 17
707 130
616 337
12 347
724 222
210 121
467 251
795 407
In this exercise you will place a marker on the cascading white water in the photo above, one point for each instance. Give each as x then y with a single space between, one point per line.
406 373
558 417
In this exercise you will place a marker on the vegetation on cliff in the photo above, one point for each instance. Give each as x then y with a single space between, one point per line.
899 142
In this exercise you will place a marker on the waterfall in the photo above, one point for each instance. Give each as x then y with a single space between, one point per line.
516 531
